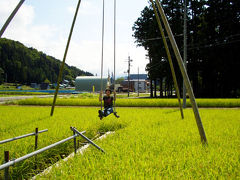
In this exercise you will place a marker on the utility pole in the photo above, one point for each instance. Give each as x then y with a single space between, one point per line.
138 81
185 49
129 65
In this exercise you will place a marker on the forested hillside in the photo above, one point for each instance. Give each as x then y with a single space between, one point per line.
19 64
213 60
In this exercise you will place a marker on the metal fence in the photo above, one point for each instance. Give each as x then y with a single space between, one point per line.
9 163
23 136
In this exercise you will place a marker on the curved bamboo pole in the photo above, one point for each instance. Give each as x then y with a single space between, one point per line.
169 58
184 73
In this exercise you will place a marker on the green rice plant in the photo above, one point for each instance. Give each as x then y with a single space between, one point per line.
158 144
131 102
22 93
16 121
148 143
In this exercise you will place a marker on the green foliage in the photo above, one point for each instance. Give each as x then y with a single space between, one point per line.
27 65
147 143
119 80
58 126
213 43
1 75
47 81
10 93
85 101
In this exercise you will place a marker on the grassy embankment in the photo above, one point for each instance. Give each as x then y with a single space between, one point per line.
123 102
148 143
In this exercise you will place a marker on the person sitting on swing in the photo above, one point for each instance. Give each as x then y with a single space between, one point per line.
108 103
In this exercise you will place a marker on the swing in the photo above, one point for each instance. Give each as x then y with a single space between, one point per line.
112 108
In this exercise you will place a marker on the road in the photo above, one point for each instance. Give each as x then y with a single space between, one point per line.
13 98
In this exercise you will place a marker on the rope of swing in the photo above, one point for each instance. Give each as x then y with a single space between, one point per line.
102 53
114 76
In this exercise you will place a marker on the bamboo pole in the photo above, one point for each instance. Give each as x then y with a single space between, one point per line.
114 99
11 17
185 51
102 55
64 58
169 58
184 74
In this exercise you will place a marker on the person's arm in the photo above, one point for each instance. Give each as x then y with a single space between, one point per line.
100 96
114 95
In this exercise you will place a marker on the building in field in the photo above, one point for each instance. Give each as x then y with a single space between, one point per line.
138 82
90 83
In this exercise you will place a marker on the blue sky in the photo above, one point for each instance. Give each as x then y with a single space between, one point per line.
45 25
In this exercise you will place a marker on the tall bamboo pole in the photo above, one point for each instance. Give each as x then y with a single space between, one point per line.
169 58
11 17
115 11
185 50
102 55
184 74
64 58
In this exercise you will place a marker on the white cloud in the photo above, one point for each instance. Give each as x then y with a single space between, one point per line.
86 8
85 48
71 9
23 17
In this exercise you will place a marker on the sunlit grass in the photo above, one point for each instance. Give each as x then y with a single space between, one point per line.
72 101
147 143
157 144
16 121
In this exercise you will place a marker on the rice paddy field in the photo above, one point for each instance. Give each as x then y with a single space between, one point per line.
88 100
148 143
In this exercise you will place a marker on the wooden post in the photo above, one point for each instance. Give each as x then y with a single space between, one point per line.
184 74
6 170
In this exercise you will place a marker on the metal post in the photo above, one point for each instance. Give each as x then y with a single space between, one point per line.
129 66
79 133
169 59
138 81
11 17
75 142
12 162
128 74
184 74
36 145
185 50
36 139
6 170
64 58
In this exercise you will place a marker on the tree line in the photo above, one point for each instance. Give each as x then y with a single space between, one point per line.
19 64
213 61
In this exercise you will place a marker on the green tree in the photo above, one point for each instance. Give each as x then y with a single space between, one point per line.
1 75
27 65
119 80
213 45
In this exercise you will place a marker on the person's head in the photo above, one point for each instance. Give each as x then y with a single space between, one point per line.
108 92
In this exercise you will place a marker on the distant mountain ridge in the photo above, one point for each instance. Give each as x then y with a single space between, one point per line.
20 64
